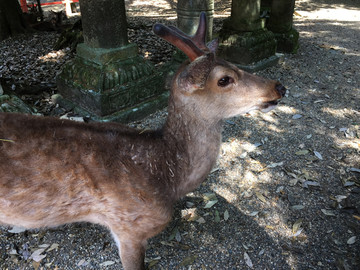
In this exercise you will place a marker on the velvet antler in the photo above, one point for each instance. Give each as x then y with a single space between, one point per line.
193 46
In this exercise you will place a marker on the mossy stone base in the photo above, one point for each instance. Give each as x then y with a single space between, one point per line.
11 103
287 42
245 48
126 115
102 86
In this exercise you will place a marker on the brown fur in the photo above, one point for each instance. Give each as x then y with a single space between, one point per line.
54 171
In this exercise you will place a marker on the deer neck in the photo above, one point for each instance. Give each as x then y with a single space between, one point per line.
193 146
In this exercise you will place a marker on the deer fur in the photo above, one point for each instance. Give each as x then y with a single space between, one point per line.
54 172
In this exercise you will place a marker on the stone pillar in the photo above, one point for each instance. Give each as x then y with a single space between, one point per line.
244 40
245 16
108 80
281 24
188 13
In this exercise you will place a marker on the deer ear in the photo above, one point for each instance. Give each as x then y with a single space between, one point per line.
195 74
213 45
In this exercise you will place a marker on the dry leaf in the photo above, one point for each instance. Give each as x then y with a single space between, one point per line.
354 170
302 152
260 196
226 215
53 246
210 204
306 184
107 263
296 116
248 260
16 229
201 220
254 213
296 226
217 216
351 240
273 165
37 256
318 155
188 260
209 197
298 207
328 212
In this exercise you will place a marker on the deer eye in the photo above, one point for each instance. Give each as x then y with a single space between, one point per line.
224 81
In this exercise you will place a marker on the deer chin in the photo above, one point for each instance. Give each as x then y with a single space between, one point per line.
267 107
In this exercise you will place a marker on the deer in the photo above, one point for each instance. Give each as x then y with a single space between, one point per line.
55 171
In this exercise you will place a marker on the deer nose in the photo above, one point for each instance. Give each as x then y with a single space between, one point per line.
281 89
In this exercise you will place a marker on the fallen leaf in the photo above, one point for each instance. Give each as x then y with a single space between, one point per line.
254 213
37 256
296 226
298 232
16 229
302 152
349 184
298 207
296 116
306 184
217 216
188 260
210 204
226 215
152 263
260 196
318 155
354 170
53 246
248 260
339 198
328 212
107 263
273 165
209 196
201 220
351 240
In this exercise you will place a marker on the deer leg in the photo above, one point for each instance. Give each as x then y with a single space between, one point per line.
132 255
132 251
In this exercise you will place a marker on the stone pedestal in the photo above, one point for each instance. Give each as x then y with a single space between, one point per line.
281 24
108 80
244 40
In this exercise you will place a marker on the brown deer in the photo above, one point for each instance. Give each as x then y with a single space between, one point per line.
54 171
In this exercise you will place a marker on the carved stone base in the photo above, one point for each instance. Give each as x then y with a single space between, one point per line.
106 81
287 42
246 48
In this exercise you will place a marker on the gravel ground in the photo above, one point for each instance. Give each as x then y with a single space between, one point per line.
285 192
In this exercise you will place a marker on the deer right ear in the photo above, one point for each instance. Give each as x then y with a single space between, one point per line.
195 74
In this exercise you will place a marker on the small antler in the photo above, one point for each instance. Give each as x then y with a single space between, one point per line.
192 46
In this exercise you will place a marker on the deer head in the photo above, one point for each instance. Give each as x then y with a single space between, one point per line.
211 87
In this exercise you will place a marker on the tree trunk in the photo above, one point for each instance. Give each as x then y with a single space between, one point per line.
11 19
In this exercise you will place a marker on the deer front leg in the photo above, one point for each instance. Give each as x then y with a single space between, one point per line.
132 255
131 250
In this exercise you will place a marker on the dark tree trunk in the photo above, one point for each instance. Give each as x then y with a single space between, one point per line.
11 19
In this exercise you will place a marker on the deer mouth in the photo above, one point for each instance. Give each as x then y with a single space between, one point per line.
268 106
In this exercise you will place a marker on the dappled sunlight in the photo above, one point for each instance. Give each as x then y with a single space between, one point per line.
160 8
287 109
339 113
53 56
337 13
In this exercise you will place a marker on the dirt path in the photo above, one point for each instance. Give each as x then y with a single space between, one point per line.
286 189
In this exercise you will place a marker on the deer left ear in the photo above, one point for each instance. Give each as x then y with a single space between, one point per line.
213 45
194 76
